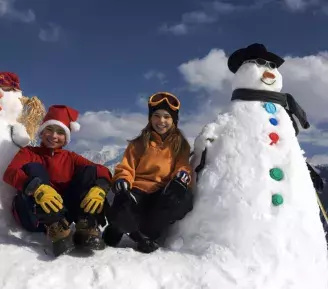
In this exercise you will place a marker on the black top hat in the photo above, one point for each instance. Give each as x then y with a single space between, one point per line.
252 51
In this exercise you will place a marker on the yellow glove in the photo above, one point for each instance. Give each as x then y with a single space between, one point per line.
94 199
47 196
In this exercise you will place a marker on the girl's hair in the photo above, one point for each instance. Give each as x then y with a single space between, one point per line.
175 138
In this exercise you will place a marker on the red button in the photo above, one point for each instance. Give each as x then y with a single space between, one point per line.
274 138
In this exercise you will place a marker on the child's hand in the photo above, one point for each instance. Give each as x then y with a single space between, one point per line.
183 177
121 185
94 200
48 199
122 192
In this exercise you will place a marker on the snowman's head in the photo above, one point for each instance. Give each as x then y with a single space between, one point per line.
258 74
11 106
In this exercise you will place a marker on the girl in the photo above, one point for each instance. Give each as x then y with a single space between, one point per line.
151 184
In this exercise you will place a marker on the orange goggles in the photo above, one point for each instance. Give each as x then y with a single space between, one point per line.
159 97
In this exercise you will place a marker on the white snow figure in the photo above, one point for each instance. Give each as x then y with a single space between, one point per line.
255 204
18 117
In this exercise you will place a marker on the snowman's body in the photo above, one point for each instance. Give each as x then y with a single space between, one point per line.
259 244
12 135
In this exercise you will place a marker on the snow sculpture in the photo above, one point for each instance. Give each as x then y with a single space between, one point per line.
19 120
255 204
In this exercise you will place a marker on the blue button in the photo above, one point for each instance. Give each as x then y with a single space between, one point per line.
270 107
273 121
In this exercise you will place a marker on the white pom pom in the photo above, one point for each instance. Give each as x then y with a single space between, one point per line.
75 126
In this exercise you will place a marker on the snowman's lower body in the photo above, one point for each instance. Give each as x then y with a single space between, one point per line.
281 250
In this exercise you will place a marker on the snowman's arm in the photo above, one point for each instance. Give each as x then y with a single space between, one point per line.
19 135
208 135
14 174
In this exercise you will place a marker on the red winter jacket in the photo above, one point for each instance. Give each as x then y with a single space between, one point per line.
59 163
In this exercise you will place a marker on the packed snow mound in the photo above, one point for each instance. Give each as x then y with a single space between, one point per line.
7 151
271 246
123 268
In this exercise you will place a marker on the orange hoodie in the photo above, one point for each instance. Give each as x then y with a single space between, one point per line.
151 169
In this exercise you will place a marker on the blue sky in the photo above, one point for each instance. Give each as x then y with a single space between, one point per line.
109 55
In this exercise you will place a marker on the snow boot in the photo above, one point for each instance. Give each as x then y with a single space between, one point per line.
144 243
88 235
61 237
112 235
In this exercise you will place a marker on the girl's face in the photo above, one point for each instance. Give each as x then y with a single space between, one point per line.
161 121
53 136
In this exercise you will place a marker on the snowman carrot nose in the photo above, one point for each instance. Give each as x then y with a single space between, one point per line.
267 74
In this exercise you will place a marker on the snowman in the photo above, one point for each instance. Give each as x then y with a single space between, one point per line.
255 207
19 119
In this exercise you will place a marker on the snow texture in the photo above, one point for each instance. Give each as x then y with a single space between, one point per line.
233 239
11 108
265 246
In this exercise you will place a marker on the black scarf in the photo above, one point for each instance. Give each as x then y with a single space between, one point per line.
284 99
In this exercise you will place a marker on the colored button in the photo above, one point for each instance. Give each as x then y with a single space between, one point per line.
277 199
273 121
274 138
276 174
270 107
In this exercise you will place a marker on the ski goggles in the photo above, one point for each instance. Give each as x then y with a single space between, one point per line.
159 97
262 62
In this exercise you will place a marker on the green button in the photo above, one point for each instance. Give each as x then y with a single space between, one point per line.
277 199
276 174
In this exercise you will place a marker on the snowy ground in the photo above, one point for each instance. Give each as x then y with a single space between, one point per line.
26 266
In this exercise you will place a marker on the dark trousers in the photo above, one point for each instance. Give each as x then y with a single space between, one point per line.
152 214
31 216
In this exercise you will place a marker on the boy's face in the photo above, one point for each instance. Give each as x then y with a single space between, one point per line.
161 121
53 136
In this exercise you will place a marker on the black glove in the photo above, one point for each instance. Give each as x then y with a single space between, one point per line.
183 177
121 212
316 179
123 194
176 189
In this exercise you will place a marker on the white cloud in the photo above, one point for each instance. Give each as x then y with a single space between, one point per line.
225 7
303 77
296 4
51 33
198 17
107 128
213 10
155 74
300 5
314 136
210 13
178 29
210 72
318 159
8 10
209 78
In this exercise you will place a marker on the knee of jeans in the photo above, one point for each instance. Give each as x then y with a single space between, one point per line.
83 172
34 169
24 217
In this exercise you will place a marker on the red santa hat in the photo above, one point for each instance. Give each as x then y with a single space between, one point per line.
9 80
63 116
